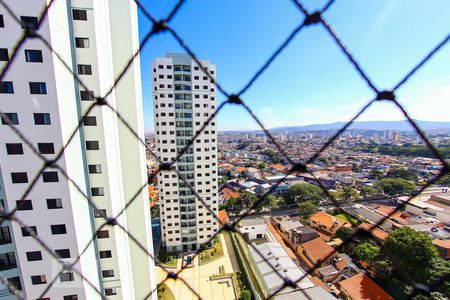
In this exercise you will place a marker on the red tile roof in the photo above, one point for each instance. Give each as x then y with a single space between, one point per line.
317 249
361 287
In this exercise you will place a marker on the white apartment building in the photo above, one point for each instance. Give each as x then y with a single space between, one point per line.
95 38
184 98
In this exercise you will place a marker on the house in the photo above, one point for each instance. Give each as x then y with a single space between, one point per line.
223 217
443 247
316 252
326 225
262 188
293 231
253 228
361 287
376 232
341 168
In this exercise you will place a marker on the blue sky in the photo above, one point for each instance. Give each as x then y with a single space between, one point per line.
311 81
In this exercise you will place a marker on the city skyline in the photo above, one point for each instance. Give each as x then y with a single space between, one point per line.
391 37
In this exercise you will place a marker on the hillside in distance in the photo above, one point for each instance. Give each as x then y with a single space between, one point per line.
367 125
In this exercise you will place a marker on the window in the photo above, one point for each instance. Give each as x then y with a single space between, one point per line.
15 281
5 235
38 279
29 231
79 14
87 95
95 169
58 229
67 276
34 255
55 203
6 87
38 88
29 22
110 291
2 22
12 118
19 177
70 297
4 56
97 191
84 69
33 56
42 119
105 254
46 148
89 121
108 273
14 149
102 234
24 205
63 253
92 145
81 42
50 176
100 213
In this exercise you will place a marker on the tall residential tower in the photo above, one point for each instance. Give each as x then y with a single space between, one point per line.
95 38
184 98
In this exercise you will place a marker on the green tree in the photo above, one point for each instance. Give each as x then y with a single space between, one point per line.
402 173
273 156
444 180
367 252
344 233
306 209
368 191
247 199
376 174
410 248
154 211
223 179
245 295
378 263
350 194
338 194
298 193
356 168
233 204
395 186
413 253
261 167
270 202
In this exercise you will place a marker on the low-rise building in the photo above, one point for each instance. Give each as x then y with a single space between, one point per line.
252 227
361 287
326 225
293 231
316 252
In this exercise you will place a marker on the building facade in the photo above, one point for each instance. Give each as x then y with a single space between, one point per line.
184 99
43 100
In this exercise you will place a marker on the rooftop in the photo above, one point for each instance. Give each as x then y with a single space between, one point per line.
360 287
317 249
273 256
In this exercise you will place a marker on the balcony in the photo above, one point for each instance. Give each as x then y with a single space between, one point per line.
7 261
5 235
